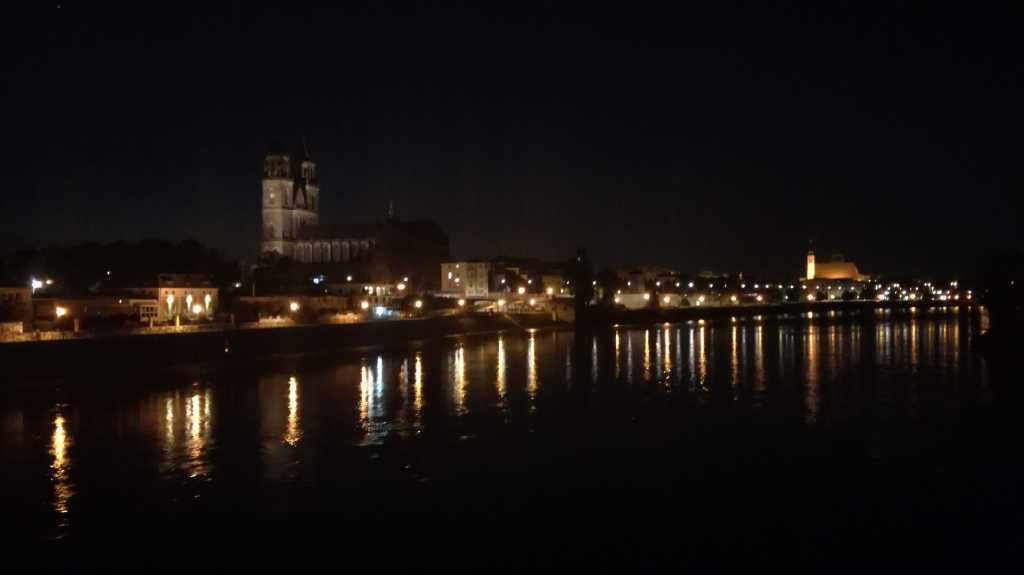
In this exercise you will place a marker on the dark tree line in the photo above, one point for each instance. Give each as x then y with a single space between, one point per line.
83 267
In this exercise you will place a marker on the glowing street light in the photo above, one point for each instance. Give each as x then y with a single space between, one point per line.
533 302
759 298
348 278
501 302
733 299
521 290
690 284
551 291
418 304
647 296
294 306
666 299
61 311
810 297
197 309
364 305
36 284
462 302
401 287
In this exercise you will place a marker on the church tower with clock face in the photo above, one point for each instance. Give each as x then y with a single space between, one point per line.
291 201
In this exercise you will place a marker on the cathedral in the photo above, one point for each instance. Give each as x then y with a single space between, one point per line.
377 250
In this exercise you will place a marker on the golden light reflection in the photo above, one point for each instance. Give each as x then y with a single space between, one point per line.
667 350
531 366
292 433
371 405
657 354
459 383
60 469
647 355
417 384
734 361
499 382
195 417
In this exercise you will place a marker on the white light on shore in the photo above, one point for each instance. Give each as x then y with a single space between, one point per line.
364 305
418 304
61 311
294 306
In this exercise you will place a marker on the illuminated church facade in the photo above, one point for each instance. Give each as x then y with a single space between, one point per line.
836 269
374 250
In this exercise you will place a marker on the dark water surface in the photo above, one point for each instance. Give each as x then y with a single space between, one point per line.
804 439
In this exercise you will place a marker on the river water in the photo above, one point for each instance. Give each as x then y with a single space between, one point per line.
429 425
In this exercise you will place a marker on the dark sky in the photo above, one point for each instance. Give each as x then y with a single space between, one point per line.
721 139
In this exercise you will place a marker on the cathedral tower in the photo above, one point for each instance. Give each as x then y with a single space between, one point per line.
291 201
277 203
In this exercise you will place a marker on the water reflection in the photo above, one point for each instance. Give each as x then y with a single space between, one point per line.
666 350
459 378
759 375
808 371
292 433
618 357
186 439
371 401
734 362
60 469
531 366
647 355
811 382
417 387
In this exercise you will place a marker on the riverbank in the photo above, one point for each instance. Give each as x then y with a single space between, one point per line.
122 354
133 352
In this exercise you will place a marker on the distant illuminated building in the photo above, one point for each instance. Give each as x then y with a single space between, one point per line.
837 269
837 275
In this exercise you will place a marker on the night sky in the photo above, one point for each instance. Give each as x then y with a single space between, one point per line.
717 140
